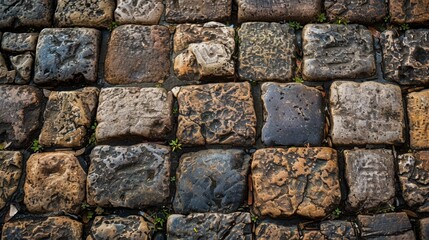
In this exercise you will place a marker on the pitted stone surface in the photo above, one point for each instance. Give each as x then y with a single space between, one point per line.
114 227
312 235
220 113
333 51
293 114
211 181
266 51
337 230
19 42
54 181
273 231
68 117
83 13
138 12
19 116
409 11
203 51
301 181
405 57
134 112
356 11
67 55
23 65
197 10
210 226
139 175
370 176
418 119
366 113
23 13
424 228
385 226
138 54
10 173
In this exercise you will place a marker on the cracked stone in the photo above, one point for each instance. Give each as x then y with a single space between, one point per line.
424 228
337 230
301 181
385 226
10 173
366 113
23 13
139 12
6 75
19 42
273 231
197 10
418 115
221 113
23 65
83 13
356 11
333 51
138 54
409 11
114 227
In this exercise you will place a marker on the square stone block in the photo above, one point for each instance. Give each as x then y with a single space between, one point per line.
333 51
114 227
418 119
366 113
409 11
272 231
19 42
184 11
83 13
139 12
10 173
21 13
356 11
386 226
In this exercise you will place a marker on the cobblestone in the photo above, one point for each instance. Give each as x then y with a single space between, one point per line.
364 12
114 227
20 13
138 12
389 225
197 10
84 13
10 173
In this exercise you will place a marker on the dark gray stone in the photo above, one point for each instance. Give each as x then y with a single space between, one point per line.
24 13
356 11
114 227
338 230
19 42
197 10
386 226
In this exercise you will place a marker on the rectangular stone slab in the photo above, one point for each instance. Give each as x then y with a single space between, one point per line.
82 13
138 12
19 42
418 119
384 225
114 227
22 13
356 11
409 11
197 10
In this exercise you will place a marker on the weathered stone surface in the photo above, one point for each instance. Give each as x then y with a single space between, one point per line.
54 181
54 228
19 116
220 113
211 181
197 10
333 51
67 54
293 114
6 75
337 230
138 54
134 112
385 226
291 181
113 227
409 11
370 178
272 231
405 57
366 113
266 51
312 235
71 13
22 13
418 119
424 228
356 11
19 42
68 116
203 51
209 226
10 173
23 65
138 12
139 175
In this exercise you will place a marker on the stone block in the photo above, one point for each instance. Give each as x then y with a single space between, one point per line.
186 11
114 227
356 11
385 226
139 12
7 75
424 228
19 42
338 230
10 173
273 231
418 115
83 13
22 64
410 11
21 13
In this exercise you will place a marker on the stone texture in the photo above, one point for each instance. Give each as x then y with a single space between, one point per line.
370 176
266 51
54 181
366 113
424 228
113 227
23 65
220 113
19 118
22 13
139 175
134 112
209 226
272 231
418 115
409 11
138 54
197 10
19 42
356 11
405 57
6 75
68 117
10 173
333 51
301 181
53 228
83 13
337 230
67 55
203 52
211 181
293 115
138 12
414 179
385 226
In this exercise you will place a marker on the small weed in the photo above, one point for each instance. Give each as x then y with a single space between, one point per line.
2 148
386 209
337 213
173 179
321 18
176 146
253 82
341 21
298 79
99 210
89 215
295 25
404 27
92 139
254 218
30 30
113 25
160 218
195 230
175 109
36 147
85 205
158 85
387 19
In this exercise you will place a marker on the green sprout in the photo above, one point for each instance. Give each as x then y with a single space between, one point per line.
176 146
113 25
295 25
92 139
254 218
341 21
158 85
387 19
298 79
404 27
160 218
36 147
337 213
321 18
173 179
195 230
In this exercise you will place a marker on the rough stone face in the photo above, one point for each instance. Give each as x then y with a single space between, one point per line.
405 57
211 181
138 54
410 11
54 181
356 11
6 75
220 113
293 114
370 177
21 13
10 173
113 227
139 12
333 51
210 226
66 55
134 112
197 10
266 51
19 117
385 226
337 230
139 175
19 42
424 228
71 13
291 181
272 231
418 118
366 113
203 51
54 228
68 116
23 65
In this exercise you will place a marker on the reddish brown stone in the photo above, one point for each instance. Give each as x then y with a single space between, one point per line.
272 231
10 173
409 11
418 119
